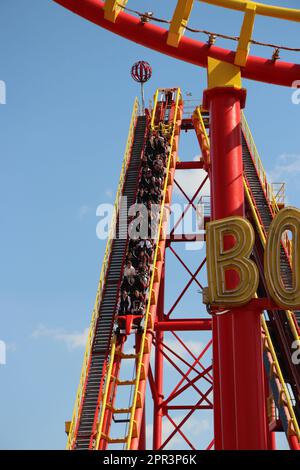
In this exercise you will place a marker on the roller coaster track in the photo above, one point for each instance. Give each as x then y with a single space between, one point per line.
94 408
169 120
110 15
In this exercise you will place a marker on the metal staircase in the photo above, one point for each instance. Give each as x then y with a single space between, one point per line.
281 327
263 207
105 321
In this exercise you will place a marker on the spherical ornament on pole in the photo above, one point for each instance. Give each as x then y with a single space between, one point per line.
141 72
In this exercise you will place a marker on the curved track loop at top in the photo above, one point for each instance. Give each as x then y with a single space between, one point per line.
189 50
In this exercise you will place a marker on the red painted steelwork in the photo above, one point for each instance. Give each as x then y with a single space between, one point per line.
186 324
240 421
193 165
159 369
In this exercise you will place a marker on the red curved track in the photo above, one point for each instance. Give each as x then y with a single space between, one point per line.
189 50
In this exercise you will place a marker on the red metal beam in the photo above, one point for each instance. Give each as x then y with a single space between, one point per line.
191 201
194 165
239 398
196 359
186 324
188 407
178 430
193 278
187 125
159 367
187 237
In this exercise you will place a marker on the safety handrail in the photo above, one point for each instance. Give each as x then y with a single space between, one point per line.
271 195
279 192
103 402
290 14
198 115
155 98
263 180
83 375
259 166
284 390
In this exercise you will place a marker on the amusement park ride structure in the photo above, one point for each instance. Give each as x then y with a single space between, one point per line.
253 378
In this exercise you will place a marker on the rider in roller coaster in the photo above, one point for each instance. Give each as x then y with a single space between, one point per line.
139 256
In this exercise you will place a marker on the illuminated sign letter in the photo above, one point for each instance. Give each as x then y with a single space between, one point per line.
284 291
236 258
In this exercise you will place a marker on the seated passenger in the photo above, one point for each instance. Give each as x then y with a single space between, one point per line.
146 246
142 280
125 303
145 170
145 160
129 270
137 303
129 284
131 255
158 182
137 226
150 160
158 168
160 143
155 195
150 144
133 243
146 179
143 258
142 196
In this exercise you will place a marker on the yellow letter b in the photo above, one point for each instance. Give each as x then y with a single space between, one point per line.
224 264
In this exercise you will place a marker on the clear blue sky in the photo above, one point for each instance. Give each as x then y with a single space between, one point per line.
63 131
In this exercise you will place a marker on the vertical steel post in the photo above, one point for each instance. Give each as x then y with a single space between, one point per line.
159 362
142 441
143 98
142 436
237 349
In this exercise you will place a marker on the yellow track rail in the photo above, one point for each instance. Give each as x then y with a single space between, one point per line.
95 313
290 14
284 394
144 341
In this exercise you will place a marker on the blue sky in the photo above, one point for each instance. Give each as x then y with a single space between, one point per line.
63 132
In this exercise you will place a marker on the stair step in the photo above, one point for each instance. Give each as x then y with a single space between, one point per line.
123 382
119 410
120 440
109 299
